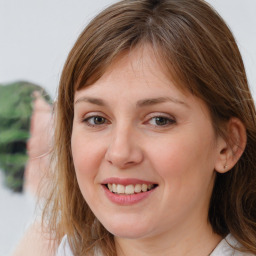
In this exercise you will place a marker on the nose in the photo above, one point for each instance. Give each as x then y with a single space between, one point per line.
124 150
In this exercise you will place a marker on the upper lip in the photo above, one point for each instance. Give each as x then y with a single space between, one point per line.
126 181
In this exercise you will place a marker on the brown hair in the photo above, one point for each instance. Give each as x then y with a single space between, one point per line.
199 51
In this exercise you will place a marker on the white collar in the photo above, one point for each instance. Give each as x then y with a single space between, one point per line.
224 248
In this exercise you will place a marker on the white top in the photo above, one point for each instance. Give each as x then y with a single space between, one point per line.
222 249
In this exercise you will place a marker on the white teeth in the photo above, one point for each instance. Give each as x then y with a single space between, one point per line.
120 189
144 187
129 189
150 186
110 187
137 188
114 188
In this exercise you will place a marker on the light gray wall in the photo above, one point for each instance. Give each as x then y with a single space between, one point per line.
36 35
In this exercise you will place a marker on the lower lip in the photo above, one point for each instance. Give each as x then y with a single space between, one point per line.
127 199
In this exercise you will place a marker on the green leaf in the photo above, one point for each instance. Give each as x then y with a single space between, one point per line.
12 135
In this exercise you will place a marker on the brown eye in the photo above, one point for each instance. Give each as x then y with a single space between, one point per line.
99 120
161 121
95 120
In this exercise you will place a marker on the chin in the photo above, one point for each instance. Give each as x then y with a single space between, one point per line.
134 234
127 230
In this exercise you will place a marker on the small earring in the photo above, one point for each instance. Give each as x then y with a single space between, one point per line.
225 166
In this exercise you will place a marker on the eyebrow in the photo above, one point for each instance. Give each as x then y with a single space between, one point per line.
154 101
94 101
140 103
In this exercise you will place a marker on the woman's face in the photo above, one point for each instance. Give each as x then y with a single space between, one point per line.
135 133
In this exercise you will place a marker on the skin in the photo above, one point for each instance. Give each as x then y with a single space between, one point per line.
35 242
179 154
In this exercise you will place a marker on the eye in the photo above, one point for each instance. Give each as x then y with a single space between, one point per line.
95 121
161 121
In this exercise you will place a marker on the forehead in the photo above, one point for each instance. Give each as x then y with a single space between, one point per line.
135 77
141 63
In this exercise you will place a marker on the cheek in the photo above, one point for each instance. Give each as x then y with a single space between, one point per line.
86 160
86 153
171 156
184 158
87 156
187 173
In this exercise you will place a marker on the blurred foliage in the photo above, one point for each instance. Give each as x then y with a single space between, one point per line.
15 112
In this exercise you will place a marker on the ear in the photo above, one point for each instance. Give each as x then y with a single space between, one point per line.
232 147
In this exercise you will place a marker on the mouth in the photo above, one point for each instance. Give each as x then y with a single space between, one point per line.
129 189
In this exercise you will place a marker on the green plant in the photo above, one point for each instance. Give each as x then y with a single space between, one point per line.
15 112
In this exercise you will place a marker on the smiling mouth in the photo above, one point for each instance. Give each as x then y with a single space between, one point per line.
129 189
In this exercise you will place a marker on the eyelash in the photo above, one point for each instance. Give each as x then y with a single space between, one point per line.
168 121
88 119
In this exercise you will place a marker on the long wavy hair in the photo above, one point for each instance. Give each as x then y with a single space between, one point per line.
199 51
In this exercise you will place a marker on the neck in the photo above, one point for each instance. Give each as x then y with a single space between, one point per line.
201 241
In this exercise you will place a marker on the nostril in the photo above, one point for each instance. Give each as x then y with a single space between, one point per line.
129 163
